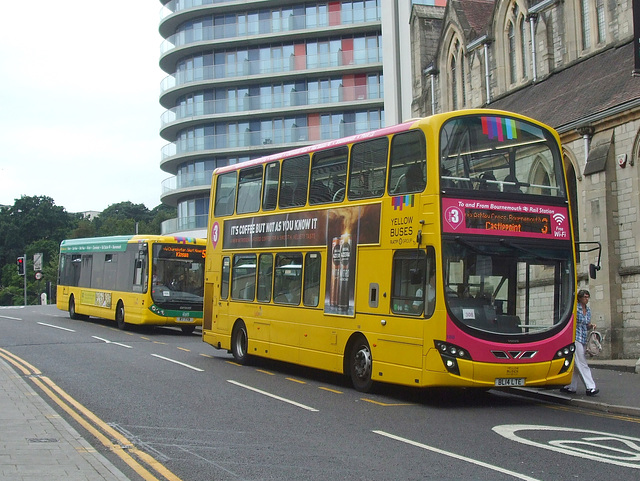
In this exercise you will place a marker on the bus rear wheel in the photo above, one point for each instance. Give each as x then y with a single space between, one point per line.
360 364
120 316
72 309
240 343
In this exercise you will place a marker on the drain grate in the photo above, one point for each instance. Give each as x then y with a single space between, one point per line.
42 440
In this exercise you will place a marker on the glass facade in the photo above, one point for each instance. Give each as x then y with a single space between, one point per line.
252 80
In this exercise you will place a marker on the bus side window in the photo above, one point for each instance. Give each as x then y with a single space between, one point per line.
368 169
408 278
312 267
243 277
430 293
270 189
224 281
287 278
408 163
249 185
265 277
328 175
294 181
225 194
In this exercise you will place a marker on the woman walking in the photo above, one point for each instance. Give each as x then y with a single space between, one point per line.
581 368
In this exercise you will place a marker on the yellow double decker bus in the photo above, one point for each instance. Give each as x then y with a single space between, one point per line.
133 279
437 252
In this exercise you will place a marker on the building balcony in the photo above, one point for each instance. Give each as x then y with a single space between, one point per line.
195 224
177 12
258 142
199 36
245 72
266 105
173 188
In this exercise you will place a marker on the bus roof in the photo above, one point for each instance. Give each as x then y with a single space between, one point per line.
119 243
321 146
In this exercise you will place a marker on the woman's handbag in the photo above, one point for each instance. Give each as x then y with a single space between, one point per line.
594 343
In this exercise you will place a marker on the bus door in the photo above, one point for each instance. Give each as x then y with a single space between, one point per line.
140 271
221 297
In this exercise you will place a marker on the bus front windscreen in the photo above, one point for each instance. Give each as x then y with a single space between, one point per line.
178 276
508 289
500 155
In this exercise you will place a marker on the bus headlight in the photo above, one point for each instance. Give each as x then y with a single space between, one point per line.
450 353
565 353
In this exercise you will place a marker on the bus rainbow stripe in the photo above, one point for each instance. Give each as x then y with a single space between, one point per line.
500 128
403 201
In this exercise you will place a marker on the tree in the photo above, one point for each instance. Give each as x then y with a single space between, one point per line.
31 219
36 225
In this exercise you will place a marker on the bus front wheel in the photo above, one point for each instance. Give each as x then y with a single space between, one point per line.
240 343
360 364
120 316
188 329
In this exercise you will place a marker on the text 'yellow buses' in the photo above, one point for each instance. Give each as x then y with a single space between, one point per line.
155 280
437 252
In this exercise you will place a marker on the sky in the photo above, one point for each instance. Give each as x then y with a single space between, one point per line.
79 110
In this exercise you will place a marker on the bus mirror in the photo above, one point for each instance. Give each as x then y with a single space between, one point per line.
416 276
593 269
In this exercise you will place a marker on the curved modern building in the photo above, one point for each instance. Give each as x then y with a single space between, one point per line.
253 77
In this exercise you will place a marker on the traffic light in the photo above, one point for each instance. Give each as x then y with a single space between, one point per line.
20 266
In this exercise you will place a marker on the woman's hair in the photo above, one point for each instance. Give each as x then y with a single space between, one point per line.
582 293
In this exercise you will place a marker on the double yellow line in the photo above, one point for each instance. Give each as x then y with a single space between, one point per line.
137 460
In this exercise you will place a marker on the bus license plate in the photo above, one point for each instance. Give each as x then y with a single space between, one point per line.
184 319
510 381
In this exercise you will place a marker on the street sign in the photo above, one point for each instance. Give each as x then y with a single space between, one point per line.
37 261
38 275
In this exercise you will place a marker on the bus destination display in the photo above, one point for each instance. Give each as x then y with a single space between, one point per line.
505 218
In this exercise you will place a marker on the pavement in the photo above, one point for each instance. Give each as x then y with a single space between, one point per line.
36 443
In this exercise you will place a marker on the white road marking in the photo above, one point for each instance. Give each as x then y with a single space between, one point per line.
279 398
595 446
56 327
457 456
111 342
178 362
11 318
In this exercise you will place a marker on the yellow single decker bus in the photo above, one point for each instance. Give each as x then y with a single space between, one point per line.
437 252
133 279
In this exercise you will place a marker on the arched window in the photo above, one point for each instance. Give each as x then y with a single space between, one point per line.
540 177
523 46
454 84
602 26
462 83
586 25
456 73
511 40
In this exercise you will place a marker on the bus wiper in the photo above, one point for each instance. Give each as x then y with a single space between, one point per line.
534 254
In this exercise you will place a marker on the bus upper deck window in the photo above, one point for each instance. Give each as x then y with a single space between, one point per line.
408 161
225 194
295 178
249 186
270 189
368 172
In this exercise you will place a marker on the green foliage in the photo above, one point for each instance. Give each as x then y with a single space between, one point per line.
36 225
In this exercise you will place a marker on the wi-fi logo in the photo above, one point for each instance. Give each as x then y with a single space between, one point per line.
559 218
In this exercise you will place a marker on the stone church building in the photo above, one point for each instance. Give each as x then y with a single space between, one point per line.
569 64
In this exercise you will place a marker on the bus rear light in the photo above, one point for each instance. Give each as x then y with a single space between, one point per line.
565 353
